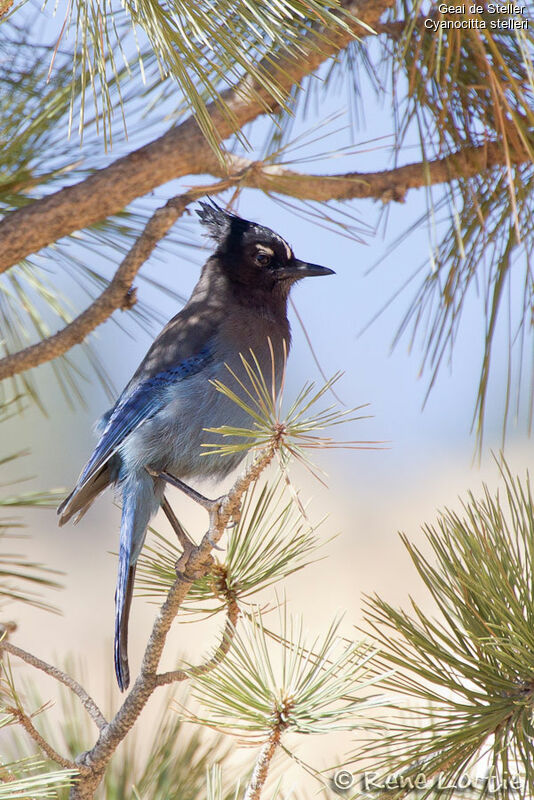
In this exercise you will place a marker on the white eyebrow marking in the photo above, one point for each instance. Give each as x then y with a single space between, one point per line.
265 249
289 251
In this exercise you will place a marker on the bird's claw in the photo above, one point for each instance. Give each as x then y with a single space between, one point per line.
236 518
214 512
213 544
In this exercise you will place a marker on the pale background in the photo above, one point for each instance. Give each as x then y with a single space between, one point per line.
429 461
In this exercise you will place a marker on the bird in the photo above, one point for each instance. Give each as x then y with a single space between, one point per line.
157 425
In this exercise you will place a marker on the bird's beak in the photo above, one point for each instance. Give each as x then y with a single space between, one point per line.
301 269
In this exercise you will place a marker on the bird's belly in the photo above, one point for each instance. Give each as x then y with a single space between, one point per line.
172 439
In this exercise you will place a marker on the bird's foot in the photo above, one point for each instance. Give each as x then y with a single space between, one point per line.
185 572
236 517
233 522
213 507
214 511
211 541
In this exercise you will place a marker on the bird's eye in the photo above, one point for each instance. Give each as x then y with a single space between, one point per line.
262 259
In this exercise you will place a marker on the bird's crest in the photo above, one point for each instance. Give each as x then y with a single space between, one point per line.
218 221
227 228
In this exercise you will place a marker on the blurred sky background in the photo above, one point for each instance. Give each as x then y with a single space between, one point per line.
429 460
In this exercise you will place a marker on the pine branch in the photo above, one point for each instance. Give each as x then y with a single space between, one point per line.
221 651
24 720
262 764
466 672
385 185
87 701
181 151
193 564
118 294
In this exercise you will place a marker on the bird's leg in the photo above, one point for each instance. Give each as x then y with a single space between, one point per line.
188 544
211 506
176 525
205 502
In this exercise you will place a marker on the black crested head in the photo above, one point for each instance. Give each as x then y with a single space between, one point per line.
253 255
218 221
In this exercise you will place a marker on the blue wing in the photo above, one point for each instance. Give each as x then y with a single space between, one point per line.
138 405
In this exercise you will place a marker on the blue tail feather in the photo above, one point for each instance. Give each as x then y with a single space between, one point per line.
140 501
123 593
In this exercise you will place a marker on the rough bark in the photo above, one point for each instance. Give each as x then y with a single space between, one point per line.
181 151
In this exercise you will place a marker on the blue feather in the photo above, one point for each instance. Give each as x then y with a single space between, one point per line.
140 404
141 497
159 422
124 588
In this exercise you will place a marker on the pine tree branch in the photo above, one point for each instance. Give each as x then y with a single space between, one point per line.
261 766
385 185
118 294
396 28
181 151
87 701
24 720
194 563
219 654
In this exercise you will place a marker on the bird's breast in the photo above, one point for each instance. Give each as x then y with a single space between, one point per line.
173 438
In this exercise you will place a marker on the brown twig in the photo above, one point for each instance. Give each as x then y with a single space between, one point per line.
385 185
230 504
265 756
262 764
87 701
194 563
396 28
181 151
118 293
29 727
224 646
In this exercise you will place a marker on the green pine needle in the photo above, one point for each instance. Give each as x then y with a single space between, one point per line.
204 47
270 542
17 568
261 684
292 433
471 669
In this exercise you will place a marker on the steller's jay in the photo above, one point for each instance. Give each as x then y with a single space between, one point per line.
157 425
